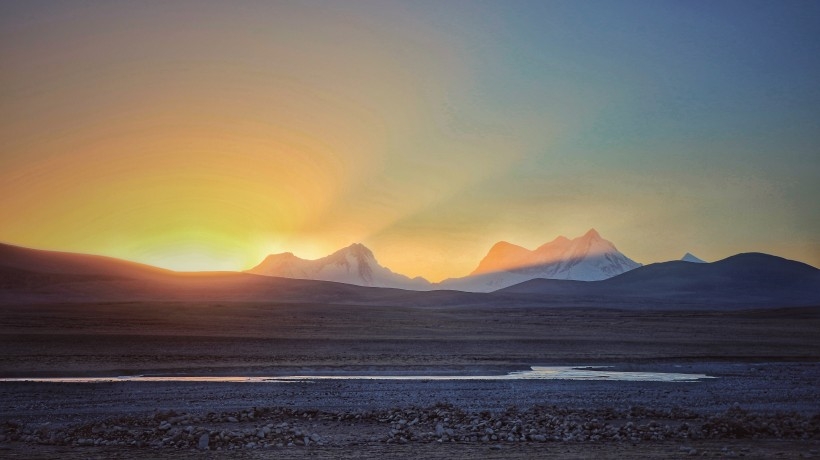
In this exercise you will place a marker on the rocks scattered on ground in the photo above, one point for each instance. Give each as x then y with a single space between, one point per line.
280 427
204 441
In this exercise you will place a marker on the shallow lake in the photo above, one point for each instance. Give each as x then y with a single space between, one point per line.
535 373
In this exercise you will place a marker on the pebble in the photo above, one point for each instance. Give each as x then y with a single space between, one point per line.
439 430
440 423
203 442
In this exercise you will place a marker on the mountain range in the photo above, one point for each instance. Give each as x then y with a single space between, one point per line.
585 258
751 280
354 264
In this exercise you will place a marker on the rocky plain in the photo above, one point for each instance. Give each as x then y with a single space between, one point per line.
763 402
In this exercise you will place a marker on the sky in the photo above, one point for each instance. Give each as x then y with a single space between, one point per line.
204 135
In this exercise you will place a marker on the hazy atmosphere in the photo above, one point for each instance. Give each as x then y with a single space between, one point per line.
456 230
206 135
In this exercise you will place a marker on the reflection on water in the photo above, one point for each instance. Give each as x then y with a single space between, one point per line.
535 373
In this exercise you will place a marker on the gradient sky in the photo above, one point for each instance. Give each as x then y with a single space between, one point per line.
205 135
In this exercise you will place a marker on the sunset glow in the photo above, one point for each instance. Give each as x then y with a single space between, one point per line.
206 135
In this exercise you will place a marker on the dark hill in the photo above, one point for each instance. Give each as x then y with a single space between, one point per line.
752 279
30 276
38 276
68 263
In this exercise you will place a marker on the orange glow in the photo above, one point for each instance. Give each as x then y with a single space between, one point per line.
207 135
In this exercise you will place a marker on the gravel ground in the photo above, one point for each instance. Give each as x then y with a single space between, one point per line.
761 387
764 403
747 403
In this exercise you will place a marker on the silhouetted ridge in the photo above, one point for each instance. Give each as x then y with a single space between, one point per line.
29 276
69 263
751 278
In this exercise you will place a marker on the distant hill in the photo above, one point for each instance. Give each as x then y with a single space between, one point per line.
29 276
586 258
38 276
751 279
69 263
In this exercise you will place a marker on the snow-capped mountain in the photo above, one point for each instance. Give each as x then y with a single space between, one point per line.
354 264
586 258
689 257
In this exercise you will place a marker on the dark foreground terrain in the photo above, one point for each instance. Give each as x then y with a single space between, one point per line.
364 419
253 338
765 401
760 410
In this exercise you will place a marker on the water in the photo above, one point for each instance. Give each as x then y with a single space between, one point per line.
535 373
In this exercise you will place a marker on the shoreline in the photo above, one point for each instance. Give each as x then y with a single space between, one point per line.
579 372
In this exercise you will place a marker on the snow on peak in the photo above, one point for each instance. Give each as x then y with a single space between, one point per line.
592 234
502 256
354 264
585 258
504 246
588 257
355 251
359 249
689 257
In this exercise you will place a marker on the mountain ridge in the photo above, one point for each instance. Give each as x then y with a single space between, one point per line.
743 281
746 278
354 264
585 258
72 263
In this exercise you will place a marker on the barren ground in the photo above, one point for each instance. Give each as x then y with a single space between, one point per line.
766 360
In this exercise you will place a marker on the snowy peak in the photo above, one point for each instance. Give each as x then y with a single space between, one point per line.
359 251
355 259
354 264
505 256
558 241
286 265
502 256
586 258
689 257
591 234
281 257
